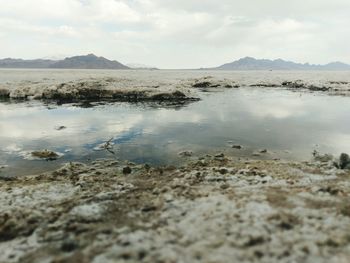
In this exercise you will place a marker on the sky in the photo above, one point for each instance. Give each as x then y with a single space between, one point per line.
177 33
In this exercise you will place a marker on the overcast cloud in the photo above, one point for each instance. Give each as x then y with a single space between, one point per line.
177 33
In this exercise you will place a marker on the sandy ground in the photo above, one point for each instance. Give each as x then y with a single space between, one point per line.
214 209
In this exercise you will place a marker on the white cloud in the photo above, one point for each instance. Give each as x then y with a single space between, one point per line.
177 33
112 11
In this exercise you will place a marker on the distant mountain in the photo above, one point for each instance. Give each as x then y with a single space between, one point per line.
20 63
78 62
88 62
249 63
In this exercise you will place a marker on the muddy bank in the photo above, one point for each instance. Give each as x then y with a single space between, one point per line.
214 209
339 88
104 89
139 88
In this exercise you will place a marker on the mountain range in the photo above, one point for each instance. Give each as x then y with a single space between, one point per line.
77 62
249 63
92 61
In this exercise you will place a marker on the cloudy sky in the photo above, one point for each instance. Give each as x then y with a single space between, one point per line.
177 33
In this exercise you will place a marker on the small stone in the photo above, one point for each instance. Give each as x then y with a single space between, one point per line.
69 246
186 154
202 163
223 171
237 146
325 158
45 154
224 186
127 170
203 84
344 161
60 128
149 208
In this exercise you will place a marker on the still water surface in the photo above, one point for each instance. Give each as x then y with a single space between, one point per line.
290 125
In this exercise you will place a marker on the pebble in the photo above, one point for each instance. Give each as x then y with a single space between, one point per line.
186 154
237 146
344 161
127 170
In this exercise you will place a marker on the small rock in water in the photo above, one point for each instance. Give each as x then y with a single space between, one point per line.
60 128
263 151
45 154
127 170
344 161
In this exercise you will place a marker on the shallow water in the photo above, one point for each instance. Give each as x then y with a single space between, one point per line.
290 125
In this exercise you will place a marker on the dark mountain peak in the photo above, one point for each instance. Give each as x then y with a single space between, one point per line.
250 63
21 63
90 61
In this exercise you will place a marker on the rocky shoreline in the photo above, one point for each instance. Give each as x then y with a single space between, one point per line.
213 209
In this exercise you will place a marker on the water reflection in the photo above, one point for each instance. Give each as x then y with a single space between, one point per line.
289 125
